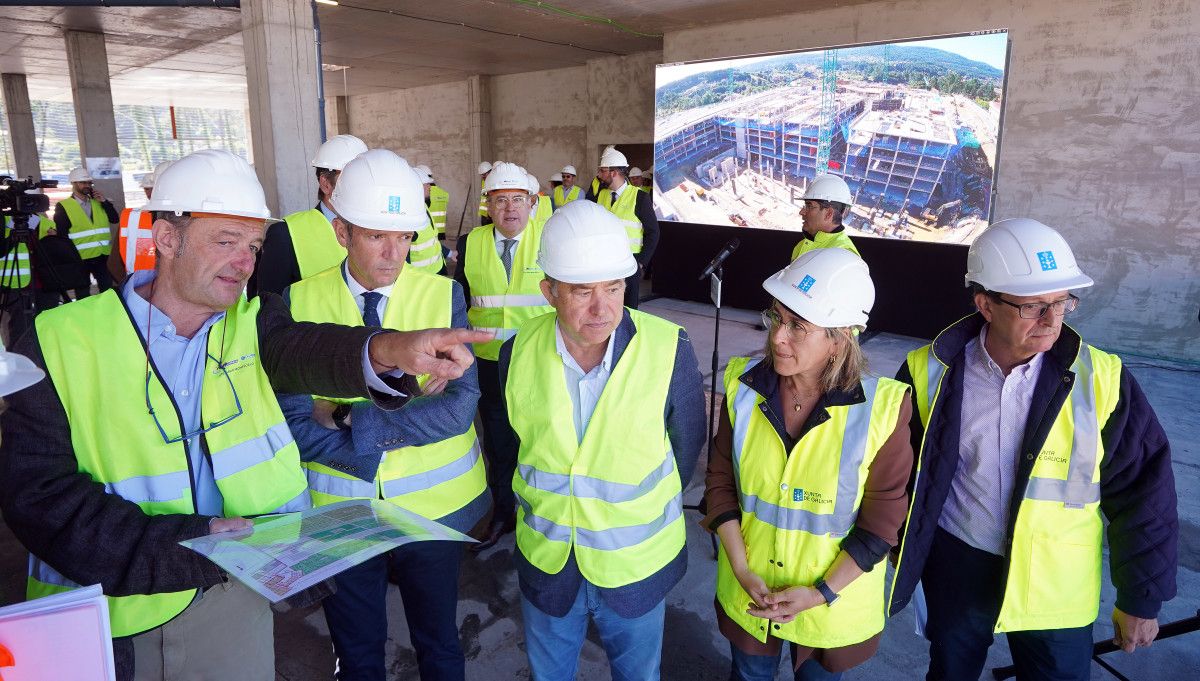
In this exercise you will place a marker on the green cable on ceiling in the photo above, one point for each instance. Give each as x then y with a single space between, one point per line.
585 17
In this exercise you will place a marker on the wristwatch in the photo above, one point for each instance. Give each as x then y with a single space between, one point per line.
830 596
339 416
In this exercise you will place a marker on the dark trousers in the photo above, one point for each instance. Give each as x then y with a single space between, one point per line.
428 583
964 588
98 268
499 442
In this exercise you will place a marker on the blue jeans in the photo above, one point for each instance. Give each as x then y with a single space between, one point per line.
963 607
762 668
633 646
428 583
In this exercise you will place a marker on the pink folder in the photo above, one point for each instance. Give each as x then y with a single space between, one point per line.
62 637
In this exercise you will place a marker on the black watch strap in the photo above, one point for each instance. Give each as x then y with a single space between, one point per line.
339 416
826 592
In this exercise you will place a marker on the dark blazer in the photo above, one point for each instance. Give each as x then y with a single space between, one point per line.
684 415
276 267
1137 487
644 209
62 222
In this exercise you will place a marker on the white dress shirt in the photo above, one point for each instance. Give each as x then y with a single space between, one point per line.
584 388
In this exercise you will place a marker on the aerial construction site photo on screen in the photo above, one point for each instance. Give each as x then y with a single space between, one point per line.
912 126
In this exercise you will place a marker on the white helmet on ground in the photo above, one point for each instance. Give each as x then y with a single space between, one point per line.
583 243
338 151
379 190
830 287
79 175
611 158
828 188
484 167
1023 257
506 176
209 181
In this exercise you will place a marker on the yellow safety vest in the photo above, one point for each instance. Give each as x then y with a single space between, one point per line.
824 240
498 305
432 480
483 211
439 203
255 461
625 209
596 187
90 236
614 498
425 251
14 268
1055 565
314 242
797 506
543 212
561 199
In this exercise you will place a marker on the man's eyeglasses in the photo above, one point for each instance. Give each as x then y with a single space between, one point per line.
506 201
793 328
202 430
1038 310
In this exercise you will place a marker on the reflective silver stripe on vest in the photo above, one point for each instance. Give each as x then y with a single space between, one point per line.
427 261
300 502
135 217
743 404
1078 489
239 457
424 245
500 334
46 574
76 236
586 487
611 539
934 370
437 213
854 450
323 483
429 479
537 300
151 488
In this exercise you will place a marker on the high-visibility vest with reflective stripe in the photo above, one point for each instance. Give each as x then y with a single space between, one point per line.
425 251
615 498
432 480
625 209
483 211
563 198
543 211
498 305
1055 561
596 186
314 242
255 462
137 253
14 267
90 236
797 507
439 203
825 240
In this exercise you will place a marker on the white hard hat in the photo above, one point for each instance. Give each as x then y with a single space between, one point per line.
506 176
830 287
556 177
79 175
17 372
425 173
613 159
534 185
828 188
209 181
582 243
148 180
569 170
338 151
379 190
1023 257
635 172
484 167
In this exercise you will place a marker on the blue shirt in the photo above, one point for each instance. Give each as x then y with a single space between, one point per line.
584 388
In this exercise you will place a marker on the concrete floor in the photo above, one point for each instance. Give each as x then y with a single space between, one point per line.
489 607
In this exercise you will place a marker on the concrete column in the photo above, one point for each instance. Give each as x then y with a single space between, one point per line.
337 116
281 79
87 61
20 125
479 120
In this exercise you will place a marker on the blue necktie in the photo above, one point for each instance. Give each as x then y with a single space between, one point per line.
371 308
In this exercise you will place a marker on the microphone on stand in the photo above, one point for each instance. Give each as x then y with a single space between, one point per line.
717 261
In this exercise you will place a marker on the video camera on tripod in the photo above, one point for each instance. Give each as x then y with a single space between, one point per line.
17 199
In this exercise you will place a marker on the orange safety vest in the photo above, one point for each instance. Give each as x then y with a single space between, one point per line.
137 254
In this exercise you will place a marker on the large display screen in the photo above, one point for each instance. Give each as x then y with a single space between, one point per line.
913 127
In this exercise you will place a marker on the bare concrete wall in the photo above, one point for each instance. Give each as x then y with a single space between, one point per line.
539 119
1101 137
424 125
621 97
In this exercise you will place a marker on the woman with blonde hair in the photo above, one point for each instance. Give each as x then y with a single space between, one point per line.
806 485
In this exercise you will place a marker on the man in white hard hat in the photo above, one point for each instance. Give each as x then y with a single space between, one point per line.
484 168
501 279
438 473
541 210
425 251
438 200
601 178
635 210
88 218
135 225
607 407
826 202
569 191
1028 440
160 424
635 177
304 244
